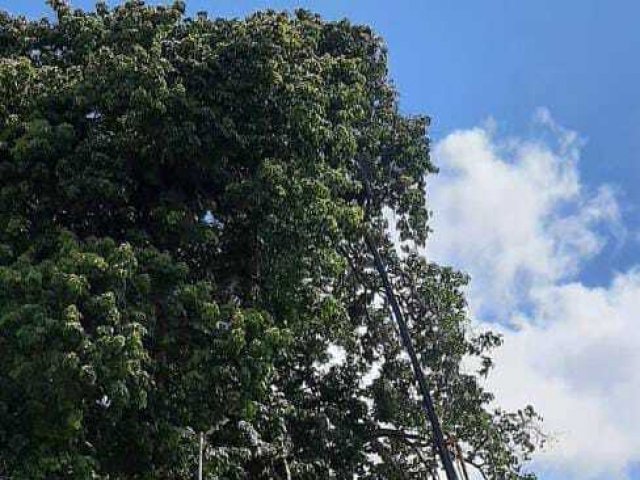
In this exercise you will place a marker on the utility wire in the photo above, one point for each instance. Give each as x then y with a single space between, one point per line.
427 402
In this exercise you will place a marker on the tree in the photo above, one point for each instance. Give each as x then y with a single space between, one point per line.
184 204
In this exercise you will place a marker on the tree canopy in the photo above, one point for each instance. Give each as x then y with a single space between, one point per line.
183 208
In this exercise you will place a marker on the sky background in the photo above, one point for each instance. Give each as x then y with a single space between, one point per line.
536 127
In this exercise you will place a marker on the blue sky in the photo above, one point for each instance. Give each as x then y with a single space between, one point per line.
543 96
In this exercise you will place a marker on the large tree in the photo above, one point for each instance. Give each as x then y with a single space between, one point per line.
184 204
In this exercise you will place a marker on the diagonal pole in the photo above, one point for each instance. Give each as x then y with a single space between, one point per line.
427 402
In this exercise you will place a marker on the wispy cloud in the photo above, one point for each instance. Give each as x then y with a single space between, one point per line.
514 213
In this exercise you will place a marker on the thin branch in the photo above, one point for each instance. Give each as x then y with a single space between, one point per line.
389 432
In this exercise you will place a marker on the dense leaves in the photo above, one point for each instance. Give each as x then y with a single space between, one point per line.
183 203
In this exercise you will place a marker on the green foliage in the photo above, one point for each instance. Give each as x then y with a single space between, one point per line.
105 346
183 208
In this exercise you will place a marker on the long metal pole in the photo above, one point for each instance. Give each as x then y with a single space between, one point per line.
427 402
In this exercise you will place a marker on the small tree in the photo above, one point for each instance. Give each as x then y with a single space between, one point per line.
184 204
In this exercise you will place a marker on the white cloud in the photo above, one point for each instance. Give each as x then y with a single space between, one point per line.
516 216
514 210
576 358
